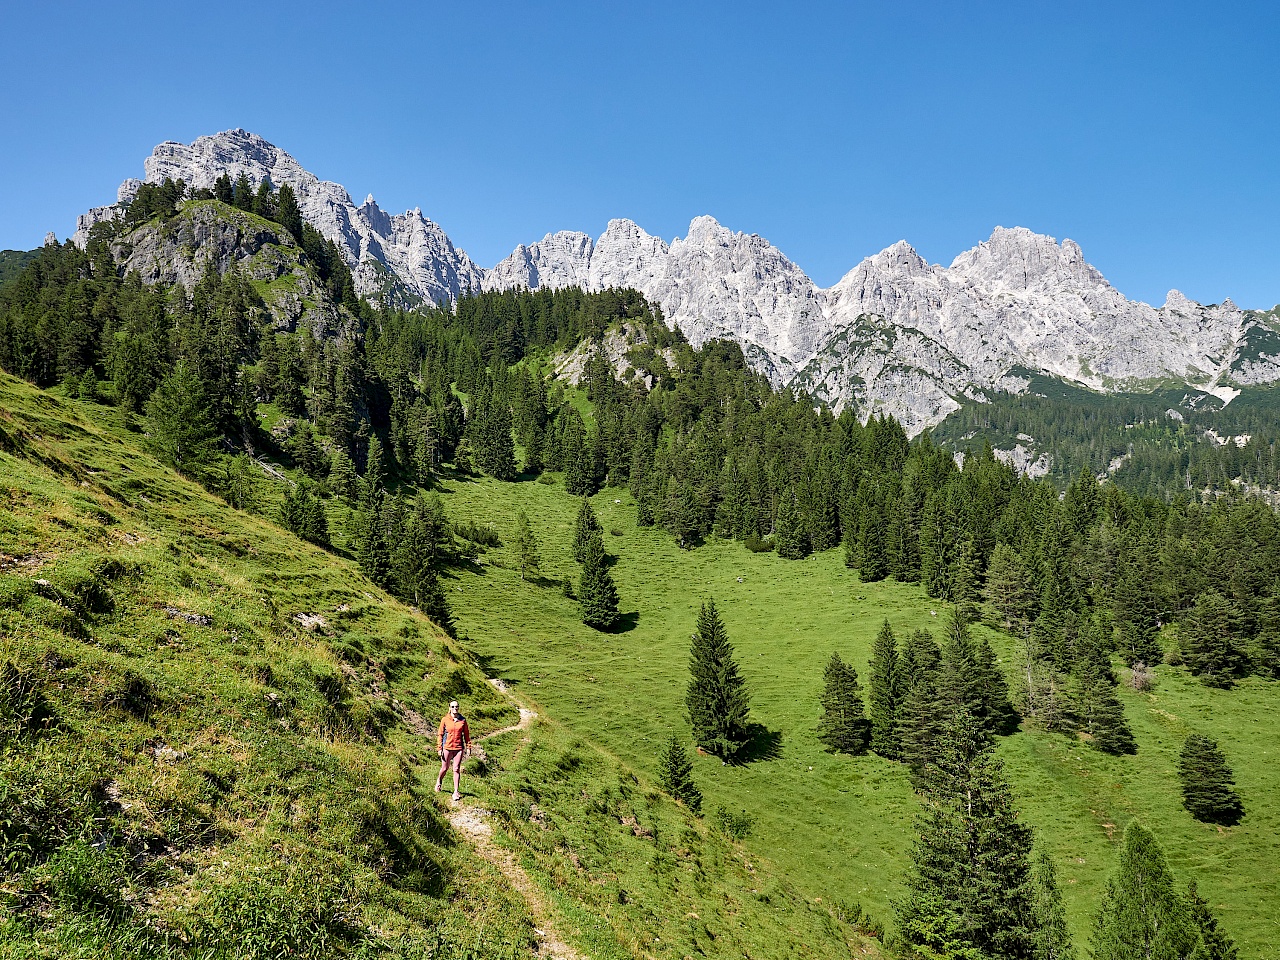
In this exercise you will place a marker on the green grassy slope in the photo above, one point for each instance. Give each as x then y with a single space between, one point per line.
837 827
183 764
192 765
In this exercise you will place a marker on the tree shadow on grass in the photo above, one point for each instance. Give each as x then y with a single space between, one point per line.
762 744
626 622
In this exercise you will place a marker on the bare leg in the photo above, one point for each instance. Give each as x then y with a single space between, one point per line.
457 776
444 765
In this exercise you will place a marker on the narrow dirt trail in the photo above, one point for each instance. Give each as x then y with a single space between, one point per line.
472 821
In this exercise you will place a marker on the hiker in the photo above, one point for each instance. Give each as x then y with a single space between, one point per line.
454 745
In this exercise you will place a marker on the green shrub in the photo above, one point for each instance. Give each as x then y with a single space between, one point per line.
756 545
735 826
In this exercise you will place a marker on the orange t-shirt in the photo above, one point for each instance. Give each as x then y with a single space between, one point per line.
454 734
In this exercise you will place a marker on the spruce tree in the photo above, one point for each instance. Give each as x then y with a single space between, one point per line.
597 593
342 477
1052 938
179 419
1009 590
920 719
585 527
527 553
791 541
412 564
873 557
1098 710
1210 643
675 773
969 889
884 693
843 725
716 697
1142 914
1208 786
1215 943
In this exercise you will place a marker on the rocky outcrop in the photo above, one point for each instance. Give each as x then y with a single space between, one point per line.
206 235
375 244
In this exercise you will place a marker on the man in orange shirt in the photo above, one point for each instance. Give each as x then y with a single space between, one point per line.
454 743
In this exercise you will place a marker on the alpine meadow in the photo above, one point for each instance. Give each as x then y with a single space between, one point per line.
787 621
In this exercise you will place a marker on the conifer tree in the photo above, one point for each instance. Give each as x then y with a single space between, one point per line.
375 472
884 693
303 514
675 773
716 697
1137 610
342 476
579 467
527 552
1210 644
789 536
287 212
843 725
179 420
1052 938
873 558
1208 786
597 593
585 527
372 552
1142 914
965 589
919 722
1009 589
412 563
1215 943
970 679
1099 711
969 890
244 192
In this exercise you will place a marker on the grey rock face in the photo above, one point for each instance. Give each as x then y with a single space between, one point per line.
203 238
375 245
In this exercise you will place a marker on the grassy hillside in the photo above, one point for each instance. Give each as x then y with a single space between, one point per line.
216 740
837 827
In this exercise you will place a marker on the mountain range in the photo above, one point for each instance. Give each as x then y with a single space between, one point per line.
895 335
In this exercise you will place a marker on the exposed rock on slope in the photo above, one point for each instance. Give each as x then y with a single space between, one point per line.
207 235
375 244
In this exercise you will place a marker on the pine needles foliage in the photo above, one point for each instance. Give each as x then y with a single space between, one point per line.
1208 785
969 889
884 693
843 726
675 773
1142 914
716 698
597 592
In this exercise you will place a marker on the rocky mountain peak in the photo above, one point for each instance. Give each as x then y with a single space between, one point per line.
1017 259
896 334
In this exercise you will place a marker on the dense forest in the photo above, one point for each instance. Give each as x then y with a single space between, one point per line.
1163 443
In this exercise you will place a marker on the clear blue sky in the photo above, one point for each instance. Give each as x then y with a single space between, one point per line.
1147 132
